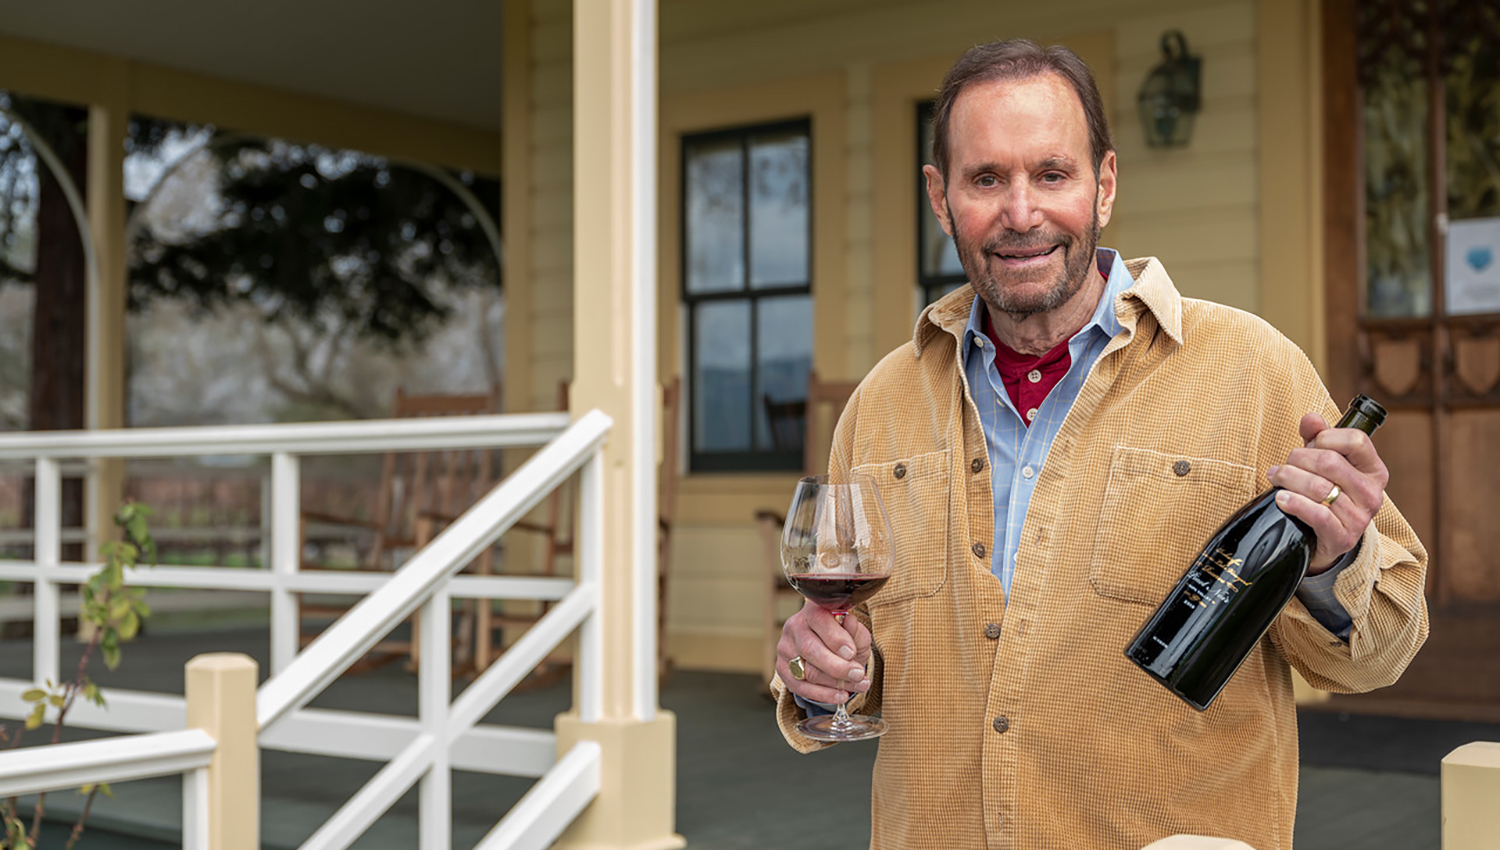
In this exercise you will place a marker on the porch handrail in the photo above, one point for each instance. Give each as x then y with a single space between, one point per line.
509 430
53 767
349 638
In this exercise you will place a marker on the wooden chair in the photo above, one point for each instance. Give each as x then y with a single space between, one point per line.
818 416
556 531
418 494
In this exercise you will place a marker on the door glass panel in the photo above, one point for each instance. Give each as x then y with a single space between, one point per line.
721 405
784 337
1397 251
716 207
1472 85
778 210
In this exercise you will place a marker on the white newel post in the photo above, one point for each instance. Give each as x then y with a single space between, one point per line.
614 369
220 699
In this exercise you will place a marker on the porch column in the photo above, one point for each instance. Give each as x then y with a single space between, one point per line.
614 367
104 402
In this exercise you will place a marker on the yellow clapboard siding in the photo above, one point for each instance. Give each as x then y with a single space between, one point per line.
1179 180
1235 284
1220 234
1206 27
714 551
1226 125
552 41
1225 74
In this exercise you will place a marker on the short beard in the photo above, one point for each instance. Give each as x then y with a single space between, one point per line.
1077 265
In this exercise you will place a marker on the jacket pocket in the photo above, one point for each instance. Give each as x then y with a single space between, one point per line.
916 496
1159 509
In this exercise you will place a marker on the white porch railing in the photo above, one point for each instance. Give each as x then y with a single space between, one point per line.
446 734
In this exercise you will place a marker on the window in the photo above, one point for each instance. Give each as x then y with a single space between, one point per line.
938 269
747 259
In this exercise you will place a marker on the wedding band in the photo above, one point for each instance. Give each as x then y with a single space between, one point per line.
799 672
1332 497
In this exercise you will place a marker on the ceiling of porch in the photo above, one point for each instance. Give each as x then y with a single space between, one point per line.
438 59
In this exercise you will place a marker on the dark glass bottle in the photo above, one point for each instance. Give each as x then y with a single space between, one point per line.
1228 598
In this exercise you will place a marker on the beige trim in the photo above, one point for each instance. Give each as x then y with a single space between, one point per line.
1290 172
105 201
899 87
822 99
636 803
220 696
1471 785
86 78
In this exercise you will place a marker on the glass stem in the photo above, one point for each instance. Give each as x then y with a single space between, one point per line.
841 719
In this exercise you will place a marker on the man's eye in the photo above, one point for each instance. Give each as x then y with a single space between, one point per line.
987 181
1052 177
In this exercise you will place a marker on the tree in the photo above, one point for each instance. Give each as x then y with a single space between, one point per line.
347 243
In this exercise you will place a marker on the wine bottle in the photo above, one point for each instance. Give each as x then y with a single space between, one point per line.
1206 627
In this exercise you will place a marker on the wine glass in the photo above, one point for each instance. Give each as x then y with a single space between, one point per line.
837 551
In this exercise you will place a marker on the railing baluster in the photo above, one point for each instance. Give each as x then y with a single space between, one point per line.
434 692
286 556
46 626
195 826
590 681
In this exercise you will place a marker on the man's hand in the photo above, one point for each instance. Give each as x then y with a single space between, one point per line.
1342 457
835 657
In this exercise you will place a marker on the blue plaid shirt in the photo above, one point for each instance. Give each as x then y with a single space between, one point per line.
1017 453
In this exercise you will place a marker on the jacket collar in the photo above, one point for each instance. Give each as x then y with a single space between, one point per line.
1152 293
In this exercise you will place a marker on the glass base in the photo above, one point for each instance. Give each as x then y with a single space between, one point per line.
833 729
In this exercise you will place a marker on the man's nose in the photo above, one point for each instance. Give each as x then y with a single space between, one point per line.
1018 210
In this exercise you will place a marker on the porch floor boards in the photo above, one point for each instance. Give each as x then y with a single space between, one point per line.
1367 782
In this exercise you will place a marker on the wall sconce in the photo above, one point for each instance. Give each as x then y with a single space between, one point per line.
1169 97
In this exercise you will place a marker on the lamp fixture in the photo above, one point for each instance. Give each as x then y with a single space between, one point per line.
1170 97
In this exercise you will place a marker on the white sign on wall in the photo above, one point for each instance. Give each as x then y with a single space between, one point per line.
1473 279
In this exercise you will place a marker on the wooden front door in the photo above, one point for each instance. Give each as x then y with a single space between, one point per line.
1412 266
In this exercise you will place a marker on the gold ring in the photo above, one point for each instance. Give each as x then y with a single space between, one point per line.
799 672
1332 497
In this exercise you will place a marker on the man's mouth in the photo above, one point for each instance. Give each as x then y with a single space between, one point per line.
1022 256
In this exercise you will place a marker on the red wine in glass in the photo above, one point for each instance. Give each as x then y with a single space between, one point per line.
837 593
837 551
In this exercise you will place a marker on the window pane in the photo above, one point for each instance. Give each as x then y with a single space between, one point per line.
721 377
784 337
714 221
1396 203
778 209
1473 156
938 256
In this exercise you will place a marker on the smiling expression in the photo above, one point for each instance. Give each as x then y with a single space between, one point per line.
1022 201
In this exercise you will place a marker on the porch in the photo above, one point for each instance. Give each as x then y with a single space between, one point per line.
1369 782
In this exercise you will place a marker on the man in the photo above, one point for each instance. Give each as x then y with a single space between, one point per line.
1052 454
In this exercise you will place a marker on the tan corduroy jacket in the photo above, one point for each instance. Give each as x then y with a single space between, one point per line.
1022 726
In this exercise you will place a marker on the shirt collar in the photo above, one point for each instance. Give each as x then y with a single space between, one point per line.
1152 292
1118 280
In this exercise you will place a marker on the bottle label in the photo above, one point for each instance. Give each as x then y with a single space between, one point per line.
1215 579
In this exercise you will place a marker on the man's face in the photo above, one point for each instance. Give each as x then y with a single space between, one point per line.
1021 200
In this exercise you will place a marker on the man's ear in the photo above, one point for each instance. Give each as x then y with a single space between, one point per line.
937 197
1107 182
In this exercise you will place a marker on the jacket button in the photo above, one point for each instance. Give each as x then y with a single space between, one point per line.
977 465
978 550
1002 725
899 471
1182 468
992 631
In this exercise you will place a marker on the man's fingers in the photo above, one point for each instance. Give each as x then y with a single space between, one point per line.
832 633
1311 425
826 673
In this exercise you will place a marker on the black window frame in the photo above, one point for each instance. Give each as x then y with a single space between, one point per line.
753 460
933 286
